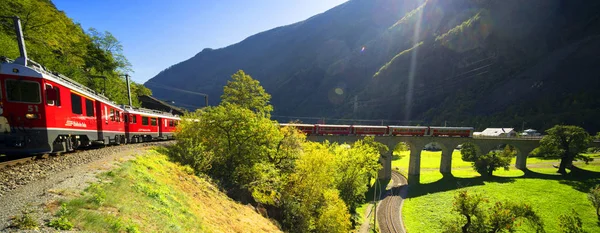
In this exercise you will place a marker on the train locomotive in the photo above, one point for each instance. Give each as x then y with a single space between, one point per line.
376 130
45 112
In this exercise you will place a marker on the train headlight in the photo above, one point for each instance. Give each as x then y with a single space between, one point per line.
31 116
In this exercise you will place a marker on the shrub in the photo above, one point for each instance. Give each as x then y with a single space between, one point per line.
26 220
570 223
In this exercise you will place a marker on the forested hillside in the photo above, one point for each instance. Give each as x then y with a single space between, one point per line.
481 63
61 45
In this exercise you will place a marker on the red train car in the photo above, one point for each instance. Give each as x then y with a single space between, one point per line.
452 131
167 126
370 130
146 125
408 130
333 129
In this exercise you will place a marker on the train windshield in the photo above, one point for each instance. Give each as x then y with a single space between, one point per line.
23 91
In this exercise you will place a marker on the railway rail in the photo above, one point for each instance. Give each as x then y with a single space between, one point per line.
390 218
5 162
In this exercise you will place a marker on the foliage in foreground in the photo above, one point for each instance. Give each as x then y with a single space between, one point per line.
26 220
486 164
571 223
566 142
501 217
308 187
594 197
61 222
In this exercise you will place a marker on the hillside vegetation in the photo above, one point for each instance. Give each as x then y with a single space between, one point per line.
53 40
475 63
152 194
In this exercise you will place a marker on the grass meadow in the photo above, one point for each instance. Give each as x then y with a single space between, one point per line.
550 193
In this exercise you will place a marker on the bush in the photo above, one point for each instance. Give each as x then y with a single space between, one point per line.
61 223
571 223
594 196
26 220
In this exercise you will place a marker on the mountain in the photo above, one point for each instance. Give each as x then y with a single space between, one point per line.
479 63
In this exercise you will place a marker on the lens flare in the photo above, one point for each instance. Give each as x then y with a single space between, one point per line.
339 91
362 49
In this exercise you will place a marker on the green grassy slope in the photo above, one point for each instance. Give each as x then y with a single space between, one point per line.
151 194
549 193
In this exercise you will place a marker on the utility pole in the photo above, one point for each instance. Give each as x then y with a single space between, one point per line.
523 127
445 123
128 89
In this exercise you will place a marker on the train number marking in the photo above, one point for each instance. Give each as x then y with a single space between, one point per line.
32 108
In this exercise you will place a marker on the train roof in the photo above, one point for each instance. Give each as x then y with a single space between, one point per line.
409 127
323 125
370 126
461 128
295 124
149 112
35 70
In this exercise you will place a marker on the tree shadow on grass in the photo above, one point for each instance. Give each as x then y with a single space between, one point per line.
450 182
579 179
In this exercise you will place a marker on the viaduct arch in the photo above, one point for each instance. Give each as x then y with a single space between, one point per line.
523 147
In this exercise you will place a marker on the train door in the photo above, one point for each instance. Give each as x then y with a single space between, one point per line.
100 113
161 125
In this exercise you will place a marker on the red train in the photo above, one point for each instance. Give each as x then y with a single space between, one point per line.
45 112
320 129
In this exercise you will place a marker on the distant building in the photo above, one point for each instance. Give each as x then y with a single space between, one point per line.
496 132
530 132
156 104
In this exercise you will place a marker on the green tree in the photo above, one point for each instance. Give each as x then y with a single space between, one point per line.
308 197
501 217
571 223
247 92
107 42
594 197
486 164
566 142
400 147
239 139
356 164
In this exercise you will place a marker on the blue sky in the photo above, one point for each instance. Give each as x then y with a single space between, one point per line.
157 34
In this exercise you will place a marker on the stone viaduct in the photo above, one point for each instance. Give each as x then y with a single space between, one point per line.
524 146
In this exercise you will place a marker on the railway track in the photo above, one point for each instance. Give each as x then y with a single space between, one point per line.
390 219
6 162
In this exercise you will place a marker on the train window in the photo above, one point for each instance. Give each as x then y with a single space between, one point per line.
89 107
171 124
50 94
76 104
112 114
23 91
144 120
134 119
153 121
126 118
118 116
57 100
